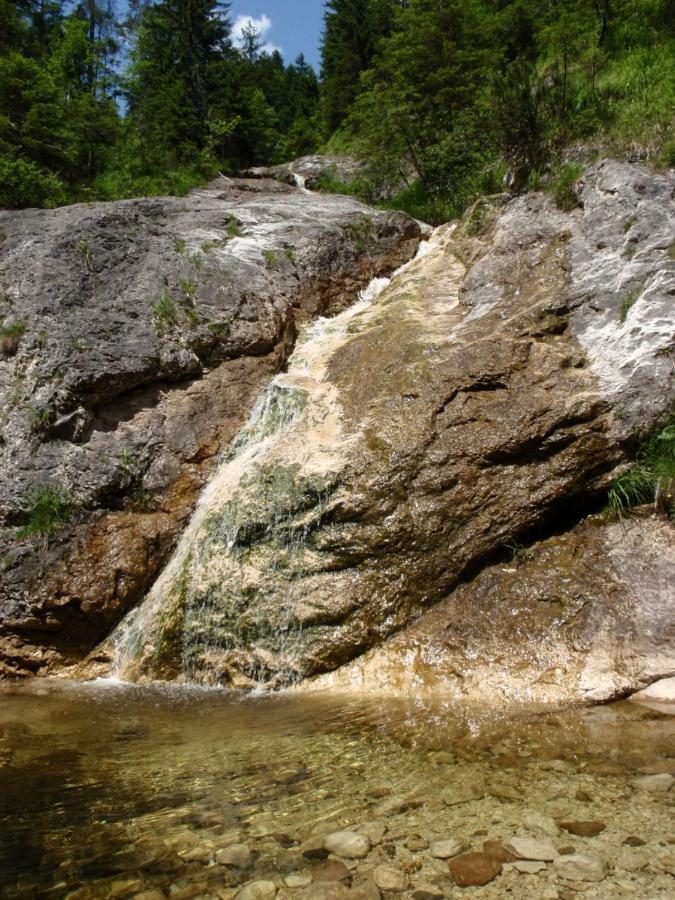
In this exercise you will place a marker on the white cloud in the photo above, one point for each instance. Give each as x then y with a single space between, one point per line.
261 26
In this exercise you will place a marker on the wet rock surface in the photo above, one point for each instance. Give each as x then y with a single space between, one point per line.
147 330
479 399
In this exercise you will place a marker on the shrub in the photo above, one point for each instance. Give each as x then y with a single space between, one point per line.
626 302
23 183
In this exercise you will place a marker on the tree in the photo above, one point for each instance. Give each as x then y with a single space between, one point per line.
179 41
352 29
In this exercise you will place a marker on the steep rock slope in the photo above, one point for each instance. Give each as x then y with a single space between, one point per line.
496 386
136 337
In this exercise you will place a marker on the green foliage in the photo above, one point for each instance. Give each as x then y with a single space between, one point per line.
447 90
49 510
85 253
10 337
561 186
165 313
270 258
233 229
626 302
651 478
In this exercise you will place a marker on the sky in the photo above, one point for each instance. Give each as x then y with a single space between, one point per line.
291 26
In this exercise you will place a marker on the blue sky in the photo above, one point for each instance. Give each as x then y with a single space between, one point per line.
292 26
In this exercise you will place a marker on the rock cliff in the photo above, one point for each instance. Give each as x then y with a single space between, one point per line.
492 391
136 336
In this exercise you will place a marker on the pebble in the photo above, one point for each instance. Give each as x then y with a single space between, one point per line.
473 869
531 848
396 805
387 878
427 892
374 831
415 843
461 793
632 860
150 895
654 784
497 851
581 867
364 888
330 870
583 828
528 866
297 880
634 841
237 855
258 890
348 844
313 848
536 821
446 849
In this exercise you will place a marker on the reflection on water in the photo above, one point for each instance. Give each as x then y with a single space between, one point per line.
113 791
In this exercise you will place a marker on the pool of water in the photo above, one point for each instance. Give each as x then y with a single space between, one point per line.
117 791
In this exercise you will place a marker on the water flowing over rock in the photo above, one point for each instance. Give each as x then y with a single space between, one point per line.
494 387
146 331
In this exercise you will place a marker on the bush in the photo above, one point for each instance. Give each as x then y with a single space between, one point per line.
23 183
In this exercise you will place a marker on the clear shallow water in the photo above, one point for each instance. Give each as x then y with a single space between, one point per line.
110 791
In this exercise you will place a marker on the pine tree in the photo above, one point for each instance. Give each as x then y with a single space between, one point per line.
179 41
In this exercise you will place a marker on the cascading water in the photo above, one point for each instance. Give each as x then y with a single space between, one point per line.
256 501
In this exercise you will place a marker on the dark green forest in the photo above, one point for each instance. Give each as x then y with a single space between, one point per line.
441 97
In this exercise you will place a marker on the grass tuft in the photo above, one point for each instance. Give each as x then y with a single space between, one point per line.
50 509
651 479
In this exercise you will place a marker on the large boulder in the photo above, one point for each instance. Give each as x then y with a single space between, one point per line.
135 337
493 389
583 616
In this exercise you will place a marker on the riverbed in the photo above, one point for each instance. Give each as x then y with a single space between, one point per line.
114 790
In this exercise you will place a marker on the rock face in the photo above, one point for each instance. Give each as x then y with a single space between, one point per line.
308 170
587 615
495 387
136 337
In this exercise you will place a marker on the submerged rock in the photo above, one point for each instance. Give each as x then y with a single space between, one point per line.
348 844
581 867
474 869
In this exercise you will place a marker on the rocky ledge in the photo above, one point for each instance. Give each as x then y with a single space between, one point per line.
490 394
136 336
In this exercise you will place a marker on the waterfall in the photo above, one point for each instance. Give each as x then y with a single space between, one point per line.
257 499
301 182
